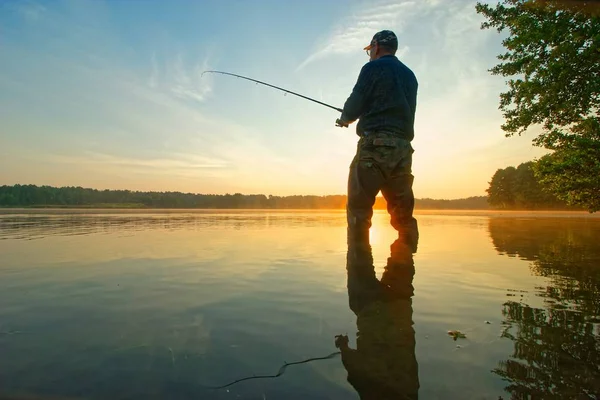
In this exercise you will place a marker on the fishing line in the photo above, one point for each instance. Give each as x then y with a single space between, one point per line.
278 374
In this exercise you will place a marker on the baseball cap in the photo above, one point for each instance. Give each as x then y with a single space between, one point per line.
384 37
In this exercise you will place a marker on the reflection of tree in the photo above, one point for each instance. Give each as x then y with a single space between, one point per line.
567 251
556 354
557 349
383 365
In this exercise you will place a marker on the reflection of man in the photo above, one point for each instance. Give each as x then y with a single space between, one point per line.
383 365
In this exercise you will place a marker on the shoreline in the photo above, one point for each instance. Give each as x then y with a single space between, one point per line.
417 212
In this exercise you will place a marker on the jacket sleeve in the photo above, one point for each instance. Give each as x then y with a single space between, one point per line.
355 104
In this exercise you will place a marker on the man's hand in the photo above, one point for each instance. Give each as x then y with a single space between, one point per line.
340 123
341 342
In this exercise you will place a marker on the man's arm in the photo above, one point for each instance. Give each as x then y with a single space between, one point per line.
354 106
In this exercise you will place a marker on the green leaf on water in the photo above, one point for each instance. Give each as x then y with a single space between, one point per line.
457 334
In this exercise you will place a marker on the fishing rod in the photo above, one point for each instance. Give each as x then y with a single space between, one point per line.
276 87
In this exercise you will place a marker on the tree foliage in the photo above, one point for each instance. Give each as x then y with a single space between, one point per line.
572 171
520 188
501 189
553 62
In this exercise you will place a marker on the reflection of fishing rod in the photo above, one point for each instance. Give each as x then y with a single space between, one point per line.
285 90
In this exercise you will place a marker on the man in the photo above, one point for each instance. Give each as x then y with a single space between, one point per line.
384 99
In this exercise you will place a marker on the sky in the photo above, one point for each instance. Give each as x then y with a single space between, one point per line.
110 94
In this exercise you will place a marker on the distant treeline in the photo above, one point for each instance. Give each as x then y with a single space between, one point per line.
519 188
48 196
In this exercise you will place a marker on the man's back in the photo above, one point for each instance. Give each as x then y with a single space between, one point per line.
385 98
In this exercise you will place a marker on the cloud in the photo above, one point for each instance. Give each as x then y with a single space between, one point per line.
354 32
175 161
117 116
171 165
188 82
180 78
117 112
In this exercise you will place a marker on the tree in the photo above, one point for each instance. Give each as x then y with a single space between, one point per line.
530 191
521 188
553 63
527 188
501 190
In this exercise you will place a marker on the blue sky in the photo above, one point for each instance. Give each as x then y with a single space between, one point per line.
109 94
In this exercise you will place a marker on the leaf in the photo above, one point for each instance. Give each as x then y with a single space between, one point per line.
457 334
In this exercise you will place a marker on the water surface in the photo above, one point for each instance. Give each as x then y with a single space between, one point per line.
97 304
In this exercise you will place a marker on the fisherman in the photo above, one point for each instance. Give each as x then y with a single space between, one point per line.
384 98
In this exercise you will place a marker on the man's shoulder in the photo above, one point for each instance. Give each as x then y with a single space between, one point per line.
387 63
367 67
407 71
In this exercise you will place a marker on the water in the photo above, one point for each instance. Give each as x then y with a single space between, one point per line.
125 305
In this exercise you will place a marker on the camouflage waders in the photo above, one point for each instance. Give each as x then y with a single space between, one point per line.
383 162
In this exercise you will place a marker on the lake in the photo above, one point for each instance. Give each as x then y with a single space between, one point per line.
174 304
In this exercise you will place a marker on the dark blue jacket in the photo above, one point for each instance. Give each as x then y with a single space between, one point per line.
384 98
